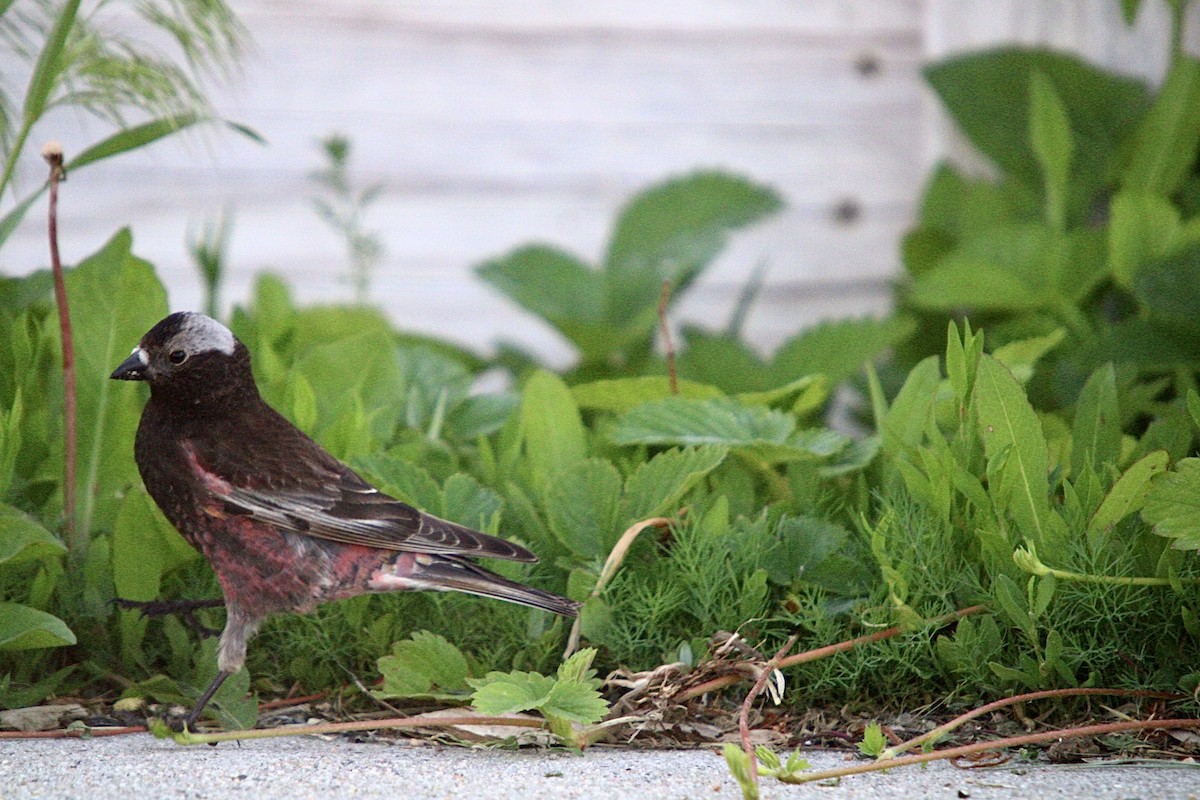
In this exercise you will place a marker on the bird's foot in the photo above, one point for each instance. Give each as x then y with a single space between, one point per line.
186 609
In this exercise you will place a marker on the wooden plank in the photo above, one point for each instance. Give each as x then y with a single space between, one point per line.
725 17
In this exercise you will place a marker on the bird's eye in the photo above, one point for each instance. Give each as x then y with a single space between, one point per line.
177 356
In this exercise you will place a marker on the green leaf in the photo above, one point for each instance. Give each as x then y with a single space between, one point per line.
133 138
553 431
717 421
509 693
145 547
1096 433
987 94
738 762
578 668
23 539
10 221
904 424
873 741
1128 495
50 63
1023 355
403 480
622 394
1173 505
469 503
1142 228
1008 423
671 232
1170 289
107 324
560 289
24 628
657 485
838 349
425 664
576 702
1050 139
581 507
1164 145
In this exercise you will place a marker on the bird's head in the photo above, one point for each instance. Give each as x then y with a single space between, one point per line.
187 351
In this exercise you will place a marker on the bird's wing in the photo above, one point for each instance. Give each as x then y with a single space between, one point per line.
335 503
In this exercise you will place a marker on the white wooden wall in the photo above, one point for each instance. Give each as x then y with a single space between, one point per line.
492 123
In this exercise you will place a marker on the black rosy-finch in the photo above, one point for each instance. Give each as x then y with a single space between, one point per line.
284 524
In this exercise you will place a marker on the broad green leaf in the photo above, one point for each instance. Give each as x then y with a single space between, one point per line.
987 94
1096 433
671 232
107 324
801 396
1164 145
578 668
1170 289
509 693
469 503
23 539
838 349
24 628
622 394
145 547
718 421
302 401
1008 423
657 485
553 431
560 289
721 360
581 503
1050 139
343 372
1128 494
403 480
1142 228
966 282
576 702
422 663
1173 505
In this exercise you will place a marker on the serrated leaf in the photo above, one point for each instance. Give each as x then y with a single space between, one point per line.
718 421
425 664
24 628
509 693
576 702
622 394
1173 505
658 484
468 502
403 480
873 741
578 668
581 504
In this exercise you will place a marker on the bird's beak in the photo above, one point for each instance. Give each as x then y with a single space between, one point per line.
132 368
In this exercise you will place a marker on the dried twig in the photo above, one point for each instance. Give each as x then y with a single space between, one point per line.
668 345
748 703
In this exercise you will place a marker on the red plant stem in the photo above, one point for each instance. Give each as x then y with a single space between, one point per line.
1022 698
825 652
54 157
73 733
284 702
983 747
668 345
748 703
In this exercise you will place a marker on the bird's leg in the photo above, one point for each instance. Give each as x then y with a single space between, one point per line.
184 608
190 720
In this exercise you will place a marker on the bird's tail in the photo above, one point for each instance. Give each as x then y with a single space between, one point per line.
447 573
